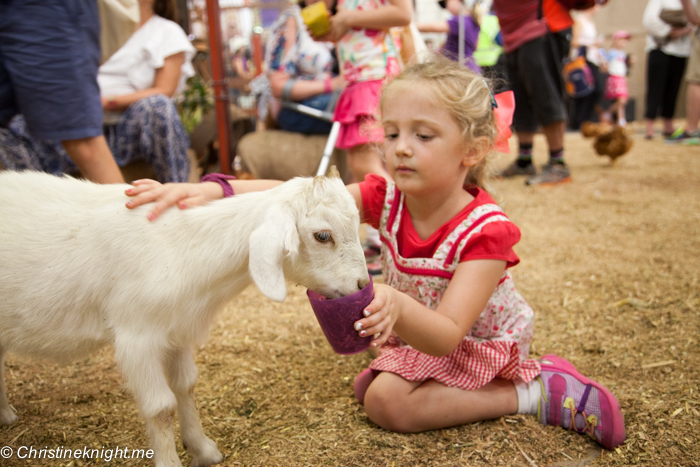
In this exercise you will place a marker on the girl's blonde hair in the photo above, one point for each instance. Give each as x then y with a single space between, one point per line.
466 95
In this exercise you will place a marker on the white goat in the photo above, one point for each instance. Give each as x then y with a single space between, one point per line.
78 270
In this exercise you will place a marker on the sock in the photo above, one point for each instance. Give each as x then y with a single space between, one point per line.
556 156
524 154
528 396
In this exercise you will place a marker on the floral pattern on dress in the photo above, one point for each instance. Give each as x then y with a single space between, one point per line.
497 344
367 54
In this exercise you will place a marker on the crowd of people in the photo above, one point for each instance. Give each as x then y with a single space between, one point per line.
63 111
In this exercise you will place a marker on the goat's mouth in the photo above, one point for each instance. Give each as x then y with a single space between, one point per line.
328 293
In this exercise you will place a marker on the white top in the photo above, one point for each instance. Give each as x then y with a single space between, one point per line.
133 67
588 36
659 29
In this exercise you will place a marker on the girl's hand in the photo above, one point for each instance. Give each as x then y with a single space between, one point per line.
340 22
381 315
184 195
337 83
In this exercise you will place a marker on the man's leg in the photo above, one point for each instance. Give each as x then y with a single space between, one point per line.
94 159
554 133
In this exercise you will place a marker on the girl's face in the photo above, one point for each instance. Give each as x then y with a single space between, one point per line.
453 6
621 43
424 148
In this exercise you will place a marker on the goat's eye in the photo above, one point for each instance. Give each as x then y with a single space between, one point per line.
323 236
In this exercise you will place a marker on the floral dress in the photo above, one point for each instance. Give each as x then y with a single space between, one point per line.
497 344
367 54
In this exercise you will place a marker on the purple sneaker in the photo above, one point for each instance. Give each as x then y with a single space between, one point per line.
572 401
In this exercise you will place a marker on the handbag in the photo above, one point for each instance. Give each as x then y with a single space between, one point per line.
578 77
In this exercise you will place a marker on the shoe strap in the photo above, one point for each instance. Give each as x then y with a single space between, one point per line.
557 387
584 398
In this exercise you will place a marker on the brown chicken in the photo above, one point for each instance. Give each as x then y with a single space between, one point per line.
610 140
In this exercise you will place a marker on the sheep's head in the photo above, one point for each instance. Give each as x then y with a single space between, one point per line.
311 237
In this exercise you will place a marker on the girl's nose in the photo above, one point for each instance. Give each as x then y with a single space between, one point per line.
403 148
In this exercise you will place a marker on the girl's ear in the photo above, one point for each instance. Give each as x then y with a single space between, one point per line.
475 151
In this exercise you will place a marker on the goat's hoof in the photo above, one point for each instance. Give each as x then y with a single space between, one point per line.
208 455
7 416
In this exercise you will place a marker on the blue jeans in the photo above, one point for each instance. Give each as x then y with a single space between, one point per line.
291 120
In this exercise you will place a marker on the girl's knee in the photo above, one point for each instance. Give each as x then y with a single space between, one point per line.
388 411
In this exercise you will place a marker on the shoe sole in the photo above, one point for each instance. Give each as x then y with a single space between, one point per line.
362 382
558 182
617 435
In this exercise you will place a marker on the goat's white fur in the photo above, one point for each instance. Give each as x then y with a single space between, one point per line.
78 270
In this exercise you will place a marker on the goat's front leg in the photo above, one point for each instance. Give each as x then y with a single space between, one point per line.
182 374
7 415
141 363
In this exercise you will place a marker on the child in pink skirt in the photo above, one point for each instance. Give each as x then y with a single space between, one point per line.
367 56
616 89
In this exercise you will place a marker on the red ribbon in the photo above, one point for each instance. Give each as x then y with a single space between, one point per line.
504 118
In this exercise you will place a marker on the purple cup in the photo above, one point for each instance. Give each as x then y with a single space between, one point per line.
337 318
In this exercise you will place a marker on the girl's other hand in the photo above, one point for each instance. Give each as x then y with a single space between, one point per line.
184 195
339 23
380 315
337 83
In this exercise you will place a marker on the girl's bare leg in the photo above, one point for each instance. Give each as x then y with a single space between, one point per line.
366 159
408 407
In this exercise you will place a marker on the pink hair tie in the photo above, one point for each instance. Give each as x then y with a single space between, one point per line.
222 180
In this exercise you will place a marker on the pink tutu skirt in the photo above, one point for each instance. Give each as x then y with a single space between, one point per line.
356 111
616 87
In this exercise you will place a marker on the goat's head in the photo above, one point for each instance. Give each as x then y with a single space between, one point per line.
311 237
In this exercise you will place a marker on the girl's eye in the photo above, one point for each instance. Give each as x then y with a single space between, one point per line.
323 236
390 135
425 137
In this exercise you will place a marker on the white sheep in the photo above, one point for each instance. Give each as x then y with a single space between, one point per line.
78 270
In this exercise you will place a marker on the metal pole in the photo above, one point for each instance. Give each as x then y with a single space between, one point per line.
223 119
460 45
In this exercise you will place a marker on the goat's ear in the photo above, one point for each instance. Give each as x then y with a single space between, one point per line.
334 172
269 244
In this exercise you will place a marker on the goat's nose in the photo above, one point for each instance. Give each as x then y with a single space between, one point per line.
362 283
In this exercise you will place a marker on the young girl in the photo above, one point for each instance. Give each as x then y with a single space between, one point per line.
616 90
453 332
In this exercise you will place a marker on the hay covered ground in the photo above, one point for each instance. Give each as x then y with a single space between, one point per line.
609 262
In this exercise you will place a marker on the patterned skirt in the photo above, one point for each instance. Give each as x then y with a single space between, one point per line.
149 130
470 366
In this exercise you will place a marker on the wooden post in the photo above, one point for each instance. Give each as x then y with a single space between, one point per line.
221 98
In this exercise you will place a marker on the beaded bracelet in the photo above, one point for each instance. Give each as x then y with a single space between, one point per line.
222 180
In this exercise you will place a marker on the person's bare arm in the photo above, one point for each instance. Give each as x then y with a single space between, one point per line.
166 81
302 89
690 12
186 195
436 26
437 332
396 13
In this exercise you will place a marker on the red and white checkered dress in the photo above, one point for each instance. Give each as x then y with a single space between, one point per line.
498 343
